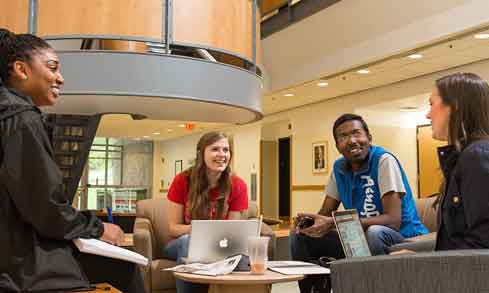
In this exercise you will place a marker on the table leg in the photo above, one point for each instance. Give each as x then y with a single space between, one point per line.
251 288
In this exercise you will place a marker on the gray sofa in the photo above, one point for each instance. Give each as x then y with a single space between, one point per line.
428 271
433 272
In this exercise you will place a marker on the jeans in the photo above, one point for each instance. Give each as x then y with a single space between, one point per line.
380 238
177 249
305 248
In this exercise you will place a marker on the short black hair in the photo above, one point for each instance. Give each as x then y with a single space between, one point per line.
15 47
349 117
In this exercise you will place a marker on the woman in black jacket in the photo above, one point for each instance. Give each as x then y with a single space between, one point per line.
459 114
37 222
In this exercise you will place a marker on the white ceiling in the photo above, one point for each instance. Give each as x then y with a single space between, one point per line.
443 55
123 126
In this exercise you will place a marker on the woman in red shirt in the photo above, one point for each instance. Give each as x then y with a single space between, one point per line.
208 190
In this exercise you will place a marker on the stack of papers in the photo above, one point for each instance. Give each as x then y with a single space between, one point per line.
222 267
98 247
297 268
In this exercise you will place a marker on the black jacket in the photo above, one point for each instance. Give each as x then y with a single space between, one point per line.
463 215
37 223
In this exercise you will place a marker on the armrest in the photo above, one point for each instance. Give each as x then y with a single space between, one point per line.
441 271
144 241
272 221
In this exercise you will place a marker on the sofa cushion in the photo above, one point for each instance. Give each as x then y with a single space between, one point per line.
426 213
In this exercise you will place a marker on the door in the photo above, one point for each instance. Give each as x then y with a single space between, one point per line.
284 177
429 172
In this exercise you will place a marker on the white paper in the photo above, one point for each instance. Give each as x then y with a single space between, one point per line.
98 247
297 268
222 267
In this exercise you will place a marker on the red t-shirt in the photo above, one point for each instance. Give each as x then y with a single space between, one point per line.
237 200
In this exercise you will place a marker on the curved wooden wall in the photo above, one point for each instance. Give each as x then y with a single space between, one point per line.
216 23
135 18
14 15
221 24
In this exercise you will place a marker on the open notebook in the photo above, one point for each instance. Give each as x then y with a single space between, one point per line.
98 247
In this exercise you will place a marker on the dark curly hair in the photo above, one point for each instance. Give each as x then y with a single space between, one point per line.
15 47
349 117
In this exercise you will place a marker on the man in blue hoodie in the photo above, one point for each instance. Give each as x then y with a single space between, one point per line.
369 179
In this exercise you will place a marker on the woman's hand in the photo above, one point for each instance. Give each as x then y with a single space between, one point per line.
113 234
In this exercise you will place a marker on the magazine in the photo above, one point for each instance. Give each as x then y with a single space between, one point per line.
222 267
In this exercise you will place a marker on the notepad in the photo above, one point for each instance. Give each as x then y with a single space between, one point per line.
297 268
98 247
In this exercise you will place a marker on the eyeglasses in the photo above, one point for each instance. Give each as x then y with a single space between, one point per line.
344 137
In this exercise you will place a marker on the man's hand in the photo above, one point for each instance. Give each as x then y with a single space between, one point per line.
322 225
402 251
113 234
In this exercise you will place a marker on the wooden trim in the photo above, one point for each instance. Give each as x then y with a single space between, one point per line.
261 178
308 187
291 198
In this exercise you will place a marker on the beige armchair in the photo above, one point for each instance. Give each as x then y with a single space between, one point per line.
151 234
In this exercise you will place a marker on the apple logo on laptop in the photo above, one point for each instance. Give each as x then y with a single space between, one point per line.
223 243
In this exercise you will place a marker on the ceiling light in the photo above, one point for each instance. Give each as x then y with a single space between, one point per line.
289 95
322 83
145 136
409 109
156 133
169 130
181 125
363 71
481 36
415 56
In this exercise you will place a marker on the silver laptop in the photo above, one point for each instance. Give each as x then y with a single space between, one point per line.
351 233
213 240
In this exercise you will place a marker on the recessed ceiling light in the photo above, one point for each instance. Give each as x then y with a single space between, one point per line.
322 83
181 125
481 36
169 130
156 133
289 95
409 109
415 56
145 136
363 71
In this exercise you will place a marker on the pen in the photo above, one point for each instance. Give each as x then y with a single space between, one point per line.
109 215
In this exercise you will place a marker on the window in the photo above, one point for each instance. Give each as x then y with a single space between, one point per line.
117 174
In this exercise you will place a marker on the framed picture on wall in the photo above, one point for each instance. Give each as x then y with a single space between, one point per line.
178 166
320 157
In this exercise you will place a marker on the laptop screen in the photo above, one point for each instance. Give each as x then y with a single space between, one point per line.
351 233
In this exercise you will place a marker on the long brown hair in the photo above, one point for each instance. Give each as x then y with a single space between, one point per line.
467 95
199 187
